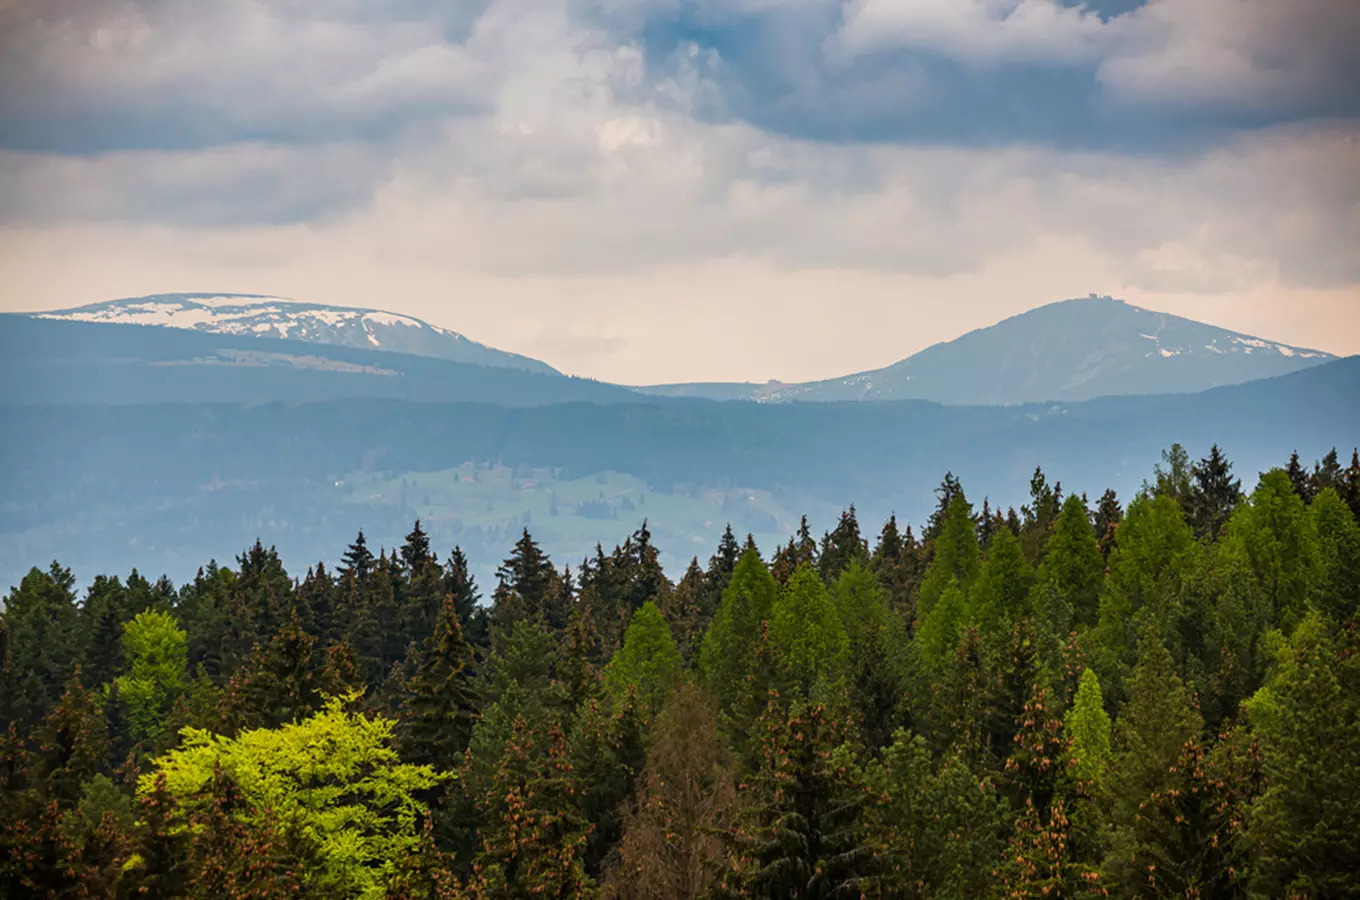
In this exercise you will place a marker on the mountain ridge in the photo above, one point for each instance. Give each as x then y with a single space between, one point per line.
270 316
1074 349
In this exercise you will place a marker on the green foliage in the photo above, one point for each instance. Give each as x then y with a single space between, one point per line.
1073 565
956 558
1087 728
728 657
1305 827
333 778
441 702
800 833
648 663
1151 736
876 666
938 828
806 632
156 650
1339 548
999 596
1278 539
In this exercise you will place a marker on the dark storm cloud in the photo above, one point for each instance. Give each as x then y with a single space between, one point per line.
89 76
1120 75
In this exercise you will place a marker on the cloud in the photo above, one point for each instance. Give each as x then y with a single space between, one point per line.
86 76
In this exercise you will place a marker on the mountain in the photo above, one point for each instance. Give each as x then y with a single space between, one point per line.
1070 350
48 361
278 317
165 487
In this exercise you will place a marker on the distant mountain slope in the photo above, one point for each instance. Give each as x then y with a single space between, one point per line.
278 317
46 361
1071 350
165 487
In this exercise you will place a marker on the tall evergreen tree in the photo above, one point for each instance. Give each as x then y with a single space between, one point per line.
1305 829
956 558
1108 516
1299 478
728 656
802 835
1072 563
41 618
1214 494
441 699
1151 735
840 547
525 588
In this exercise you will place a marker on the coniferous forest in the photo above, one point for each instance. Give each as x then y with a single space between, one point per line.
1153 696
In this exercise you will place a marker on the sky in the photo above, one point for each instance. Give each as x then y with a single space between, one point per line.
674 190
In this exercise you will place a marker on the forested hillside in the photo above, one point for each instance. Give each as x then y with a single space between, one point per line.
1092 696
173 485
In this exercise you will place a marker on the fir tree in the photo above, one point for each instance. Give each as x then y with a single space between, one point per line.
728 653
358 559
415 552
956 558
1214 494
1305 828
459 584
441 700
1108 516
840 547
535 840
801 834
1299 478
1151 736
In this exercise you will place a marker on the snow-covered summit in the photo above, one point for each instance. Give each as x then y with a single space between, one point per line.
280 317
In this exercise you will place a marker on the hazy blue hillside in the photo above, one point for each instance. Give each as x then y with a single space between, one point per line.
1072 350
52 361
166 486
277 317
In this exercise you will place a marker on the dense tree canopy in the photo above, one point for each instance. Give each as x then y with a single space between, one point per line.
1160 699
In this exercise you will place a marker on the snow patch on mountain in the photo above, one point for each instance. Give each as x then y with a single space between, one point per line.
281 317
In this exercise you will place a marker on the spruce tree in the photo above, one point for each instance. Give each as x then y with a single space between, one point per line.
1350 489
1339 551
1299 478
956 558
358 559
1305 829
441 702
840 547
802 831
1108 516
459 584
41 617
1151 735
877 645
1214 494
534 843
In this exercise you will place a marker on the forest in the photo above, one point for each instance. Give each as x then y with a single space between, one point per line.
1155 696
